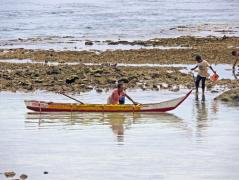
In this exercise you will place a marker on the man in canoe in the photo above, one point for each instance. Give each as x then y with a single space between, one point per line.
236 55
118 96
203 66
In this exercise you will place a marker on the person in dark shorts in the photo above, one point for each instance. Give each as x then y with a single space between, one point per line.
202 66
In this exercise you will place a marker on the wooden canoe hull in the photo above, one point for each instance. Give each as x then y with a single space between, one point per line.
42 106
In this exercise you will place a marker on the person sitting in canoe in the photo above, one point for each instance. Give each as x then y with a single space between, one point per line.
202 65
236 55
118 96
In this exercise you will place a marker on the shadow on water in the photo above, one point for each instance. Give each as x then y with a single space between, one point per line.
118 122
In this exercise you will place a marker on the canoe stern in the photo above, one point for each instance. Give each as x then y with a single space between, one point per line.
36 105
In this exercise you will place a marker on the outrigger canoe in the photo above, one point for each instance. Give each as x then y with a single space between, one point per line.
42 106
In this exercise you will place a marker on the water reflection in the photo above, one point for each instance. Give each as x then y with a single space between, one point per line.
118 122
201 114
214 107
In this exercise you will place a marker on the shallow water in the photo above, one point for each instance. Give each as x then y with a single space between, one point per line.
113 19
72 43
198 140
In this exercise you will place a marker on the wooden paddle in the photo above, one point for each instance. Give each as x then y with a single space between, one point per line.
71 97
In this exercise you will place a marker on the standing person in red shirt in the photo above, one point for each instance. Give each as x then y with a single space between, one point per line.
118 96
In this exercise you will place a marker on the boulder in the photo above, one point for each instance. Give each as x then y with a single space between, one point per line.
164 86
132 77
229 96
71 79
24 83
89 87
19 73
155 87
174 88
155 75
214 91
38 80
99 90
172 76
147 78
111 80
7 77
53 70
89 43
97 75
142 86
123 80
98 71
23 176
9 174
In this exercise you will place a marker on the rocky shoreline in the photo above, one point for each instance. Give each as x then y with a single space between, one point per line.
215 50
81 78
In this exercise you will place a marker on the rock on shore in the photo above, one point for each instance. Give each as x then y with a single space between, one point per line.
229 96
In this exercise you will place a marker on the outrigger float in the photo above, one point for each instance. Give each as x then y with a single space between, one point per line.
42 106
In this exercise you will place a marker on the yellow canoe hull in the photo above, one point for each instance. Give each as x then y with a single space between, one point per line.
42 106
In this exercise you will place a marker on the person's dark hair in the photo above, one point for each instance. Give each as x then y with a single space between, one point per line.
119 85
198 58
234 53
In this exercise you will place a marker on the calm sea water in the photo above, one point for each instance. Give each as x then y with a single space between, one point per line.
198 140
113 19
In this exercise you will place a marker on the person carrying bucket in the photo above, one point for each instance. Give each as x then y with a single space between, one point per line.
203 66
